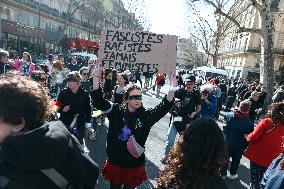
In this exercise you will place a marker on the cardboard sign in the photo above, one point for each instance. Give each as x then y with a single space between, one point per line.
138 51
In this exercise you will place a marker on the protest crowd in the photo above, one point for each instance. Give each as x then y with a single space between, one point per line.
48 110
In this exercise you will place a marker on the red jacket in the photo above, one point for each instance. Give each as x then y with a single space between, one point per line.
159 78
265 143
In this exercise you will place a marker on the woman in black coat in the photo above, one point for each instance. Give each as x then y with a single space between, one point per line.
129 127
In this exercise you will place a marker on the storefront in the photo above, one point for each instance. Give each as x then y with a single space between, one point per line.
77 44
20 37
53 42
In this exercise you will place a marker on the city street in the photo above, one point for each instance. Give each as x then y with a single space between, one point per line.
154 149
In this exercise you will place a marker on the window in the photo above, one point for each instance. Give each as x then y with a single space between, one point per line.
5 13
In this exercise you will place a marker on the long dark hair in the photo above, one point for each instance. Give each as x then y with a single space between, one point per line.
197 157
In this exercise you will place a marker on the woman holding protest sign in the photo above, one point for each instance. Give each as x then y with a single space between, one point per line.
129 127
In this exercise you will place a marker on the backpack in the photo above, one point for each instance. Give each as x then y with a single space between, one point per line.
162 82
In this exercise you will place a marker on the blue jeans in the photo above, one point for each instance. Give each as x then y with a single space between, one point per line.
171 136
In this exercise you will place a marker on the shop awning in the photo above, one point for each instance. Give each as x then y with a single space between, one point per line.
82 44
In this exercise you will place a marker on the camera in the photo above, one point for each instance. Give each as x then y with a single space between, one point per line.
205 93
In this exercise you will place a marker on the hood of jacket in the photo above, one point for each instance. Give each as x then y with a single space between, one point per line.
41 148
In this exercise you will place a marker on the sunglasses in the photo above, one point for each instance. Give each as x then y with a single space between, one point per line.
189 83
85 74
135 97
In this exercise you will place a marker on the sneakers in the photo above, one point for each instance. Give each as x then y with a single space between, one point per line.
232 177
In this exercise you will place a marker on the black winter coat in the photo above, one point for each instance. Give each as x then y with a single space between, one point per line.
139 122
49 146
79 104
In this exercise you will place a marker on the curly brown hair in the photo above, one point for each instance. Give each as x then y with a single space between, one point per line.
197 157
276 113
22 99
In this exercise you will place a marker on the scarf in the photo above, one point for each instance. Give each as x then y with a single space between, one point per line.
238 114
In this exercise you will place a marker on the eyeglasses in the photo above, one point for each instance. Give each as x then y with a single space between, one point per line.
135 97
85 74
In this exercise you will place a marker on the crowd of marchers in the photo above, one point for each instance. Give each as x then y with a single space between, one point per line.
47 111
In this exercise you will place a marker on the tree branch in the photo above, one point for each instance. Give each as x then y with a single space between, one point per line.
257 5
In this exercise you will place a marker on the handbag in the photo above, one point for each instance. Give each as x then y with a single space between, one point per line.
134 148
74 126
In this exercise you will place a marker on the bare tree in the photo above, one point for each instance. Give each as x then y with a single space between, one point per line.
210 36
187 52
265 30
72 7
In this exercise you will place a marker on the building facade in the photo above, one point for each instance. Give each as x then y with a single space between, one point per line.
240 53
188 55
50 26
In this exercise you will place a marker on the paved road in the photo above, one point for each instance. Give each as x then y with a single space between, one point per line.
154 150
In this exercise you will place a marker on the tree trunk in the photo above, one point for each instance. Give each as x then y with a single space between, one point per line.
267 65
215 58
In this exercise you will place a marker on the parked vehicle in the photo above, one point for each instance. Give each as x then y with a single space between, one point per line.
206 72
84 55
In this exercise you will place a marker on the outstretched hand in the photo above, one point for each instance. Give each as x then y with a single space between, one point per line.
173 87
97 74
97 70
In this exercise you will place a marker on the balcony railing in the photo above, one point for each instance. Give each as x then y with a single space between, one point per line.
254 50
233 51
34 4
251 50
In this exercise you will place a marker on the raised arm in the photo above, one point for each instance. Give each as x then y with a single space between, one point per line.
97 95
153 115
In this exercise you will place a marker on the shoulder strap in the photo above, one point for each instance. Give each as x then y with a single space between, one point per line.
56 177
115 89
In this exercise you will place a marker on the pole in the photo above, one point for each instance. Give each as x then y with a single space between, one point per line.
38 28
1 36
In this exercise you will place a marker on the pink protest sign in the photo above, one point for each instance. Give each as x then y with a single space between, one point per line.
138 51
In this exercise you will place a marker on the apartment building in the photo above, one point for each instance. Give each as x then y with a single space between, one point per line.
188 55
49 26
240 53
